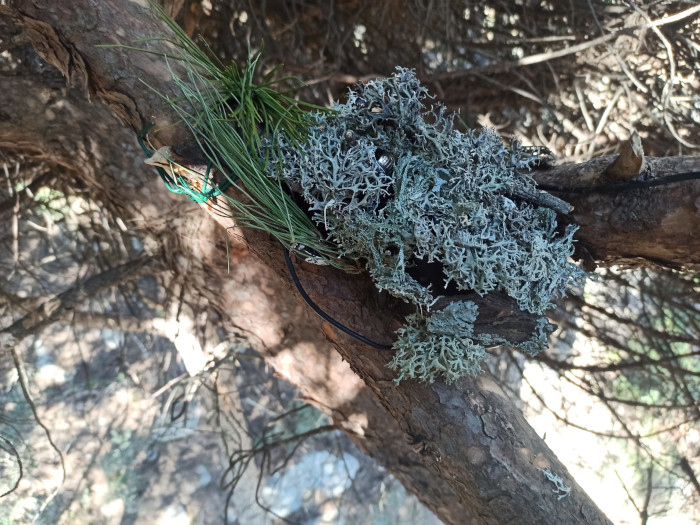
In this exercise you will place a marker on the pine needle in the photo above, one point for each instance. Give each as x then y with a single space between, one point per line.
237 124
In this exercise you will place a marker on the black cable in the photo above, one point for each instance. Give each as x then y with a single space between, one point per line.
324 315
630 185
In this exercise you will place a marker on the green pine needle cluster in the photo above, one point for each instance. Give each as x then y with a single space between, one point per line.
234 120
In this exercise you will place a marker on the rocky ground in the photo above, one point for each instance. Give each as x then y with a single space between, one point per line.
136 452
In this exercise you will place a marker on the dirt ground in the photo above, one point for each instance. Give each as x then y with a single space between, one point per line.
136 453
142 441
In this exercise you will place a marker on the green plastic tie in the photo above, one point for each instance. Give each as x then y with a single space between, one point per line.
177 183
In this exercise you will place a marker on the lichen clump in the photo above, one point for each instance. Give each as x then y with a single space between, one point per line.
397 188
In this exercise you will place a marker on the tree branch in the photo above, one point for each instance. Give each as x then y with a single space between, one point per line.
653 216
53 309
472 456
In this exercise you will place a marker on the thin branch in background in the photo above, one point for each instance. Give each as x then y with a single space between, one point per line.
604 120
266 448
22 378
562 418
585 385
269 441
647 496
16 455
551 55
685 467
668 86
595 17
14 195
53 309
582 104
629 495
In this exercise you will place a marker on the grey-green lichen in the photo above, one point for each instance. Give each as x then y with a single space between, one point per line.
560 489
398 189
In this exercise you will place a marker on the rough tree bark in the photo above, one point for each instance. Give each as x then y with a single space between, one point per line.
464 449
658 224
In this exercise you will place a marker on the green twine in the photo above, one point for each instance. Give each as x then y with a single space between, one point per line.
176 183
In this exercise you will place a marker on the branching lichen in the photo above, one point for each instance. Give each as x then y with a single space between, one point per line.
398 188
560 489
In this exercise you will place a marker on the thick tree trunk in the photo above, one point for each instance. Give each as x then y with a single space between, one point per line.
465 450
